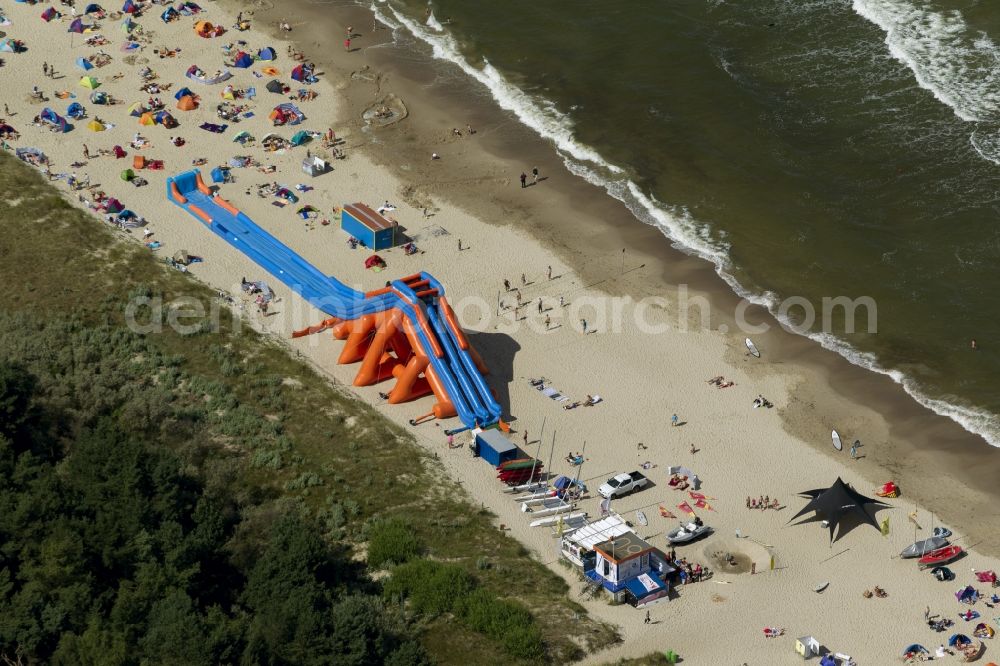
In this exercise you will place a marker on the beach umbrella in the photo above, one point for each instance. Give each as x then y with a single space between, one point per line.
842 507
89 82
275 86
76 26
49 14
95 126
84 64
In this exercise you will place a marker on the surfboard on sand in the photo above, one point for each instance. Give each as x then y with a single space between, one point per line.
821 586
837 444
641 517
752 348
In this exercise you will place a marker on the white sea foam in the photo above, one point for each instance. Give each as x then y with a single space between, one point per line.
958 65
676 224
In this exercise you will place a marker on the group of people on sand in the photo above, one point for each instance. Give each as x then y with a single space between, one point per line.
720 382
763 502
678 482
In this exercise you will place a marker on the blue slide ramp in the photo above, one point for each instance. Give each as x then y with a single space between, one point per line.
455 369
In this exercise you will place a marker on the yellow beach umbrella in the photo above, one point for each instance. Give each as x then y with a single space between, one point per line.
95 126
89 82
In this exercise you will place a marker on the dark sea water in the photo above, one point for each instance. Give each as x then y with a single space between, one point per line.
810 148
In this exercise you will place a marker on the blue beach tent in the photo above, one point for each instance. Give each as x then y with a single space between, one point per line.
93 8
76 111
267 53
84 64
184 91
169 14
243 60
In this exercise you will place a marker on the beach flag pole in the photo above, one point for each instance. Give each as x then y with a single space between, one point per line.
623 262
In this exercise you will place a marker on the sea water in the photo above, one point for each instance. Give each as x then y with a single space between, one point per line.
808 148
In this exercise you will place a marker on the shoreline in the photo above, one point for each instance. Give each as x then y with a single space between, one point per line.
898 430
740 451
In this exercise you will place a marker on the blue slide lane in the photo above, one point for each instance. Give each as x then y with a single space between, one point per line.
467 388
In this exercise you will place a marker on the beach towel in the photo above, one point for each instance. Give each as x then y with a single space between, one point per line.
554 395
212 127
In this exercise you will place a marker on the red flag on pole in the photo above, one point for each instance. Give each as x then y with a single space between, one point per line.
666 513
686 508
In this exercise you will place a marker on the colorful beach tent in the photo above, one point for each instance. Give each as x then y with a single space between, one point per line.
89 82
188 8
95 126
84 64
220 174
182 92
49 14
243 60
164 118
275 86
76 26
841 506
300 73
9 46
301 137
98 97
93 8
286 114
204 29
187 103
137 109
267 53
76 111
128 25
112 205
130 7
242 137
52 118
169 14
147 119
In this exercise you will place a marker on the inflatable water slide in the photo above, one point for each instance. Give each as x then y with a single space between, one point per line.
405 331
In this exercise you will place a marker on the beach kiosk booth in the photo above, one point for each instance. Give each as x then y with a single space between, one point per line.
494 448
374 231
630 569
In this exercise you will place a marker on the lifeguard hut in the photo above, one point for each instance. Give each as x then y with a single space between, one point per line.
373 230
629 568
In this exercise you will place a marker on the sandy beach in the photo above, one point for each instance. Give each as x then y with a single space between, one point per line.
649 349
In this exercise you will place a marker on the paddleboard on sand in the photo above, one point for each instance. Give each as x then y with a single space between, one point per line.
641 517
752 347
837 444
822 586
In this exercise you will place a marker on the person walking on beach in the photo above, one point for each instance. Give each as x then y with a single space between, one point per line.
583 325
548 322
540 309
534 173
45 69
973 343
524 180
347 44
646 621
562 302
548 273
524 280
525 437
459 244
506 284
673 420
854 449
